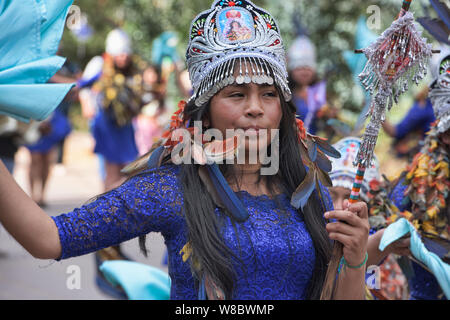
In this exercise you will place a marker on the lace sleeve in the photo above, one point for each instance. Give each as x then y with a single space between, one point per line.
148 202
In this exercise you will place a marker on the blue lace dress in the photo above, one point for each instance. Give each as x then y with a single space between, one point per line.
274 244
423 285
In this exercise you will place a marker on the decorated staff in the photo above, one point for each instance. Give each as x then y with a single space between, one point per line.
400 55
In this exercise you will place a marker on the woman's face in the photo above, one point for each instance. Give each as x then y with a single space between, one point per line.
303 75
251 107
235 25
122 60
338 195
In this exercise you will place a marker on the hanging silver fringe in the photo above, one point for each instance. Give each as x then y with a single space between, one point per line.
249 69
369 140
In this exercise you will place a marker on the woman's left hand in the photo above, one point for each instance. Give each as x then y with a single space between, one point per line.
351 229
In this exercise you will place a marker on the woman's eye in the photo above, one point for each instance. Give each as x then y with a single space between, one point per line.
236 94
270 94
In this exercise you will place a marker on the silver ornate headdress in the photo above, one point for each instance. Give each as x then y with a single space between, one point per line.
440 95
235 35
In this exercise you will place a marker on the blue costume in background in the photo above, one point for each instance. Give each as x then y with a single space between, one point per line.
60 128
307 109
59 119
113 143
274 245
418 118
410 131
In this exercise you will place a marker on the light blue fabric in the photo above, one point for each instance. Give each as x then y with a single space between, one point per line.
29 39
164 46
25 102
38 71
363 38
140 281
439 269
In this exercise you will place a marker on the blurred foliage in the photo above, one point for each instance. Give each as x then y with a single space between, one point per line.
330 24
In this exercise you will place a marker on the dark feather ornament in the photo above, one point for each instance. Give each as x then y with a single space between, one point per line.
438 27
304 190
226 195
314 151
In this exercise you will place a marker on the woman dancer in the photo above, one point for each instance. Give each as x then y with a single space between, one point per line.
231 231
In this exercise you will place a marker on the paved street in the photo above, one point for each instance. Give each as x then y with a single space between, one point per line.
24 277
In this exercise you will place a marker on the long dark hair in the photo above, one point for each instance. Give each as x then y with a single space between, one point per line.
204 226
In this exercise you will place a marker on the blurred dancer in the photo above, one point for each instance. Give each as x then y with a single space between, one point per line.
115 99
54 131
69 73
148 125
44 153
309 92
14 134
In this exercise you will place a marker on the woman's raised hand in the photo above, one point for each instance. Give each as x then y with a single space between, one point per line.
351 229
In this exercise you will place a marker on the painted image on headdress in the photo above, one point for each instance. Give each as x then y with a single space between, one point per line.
236 24
444 67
